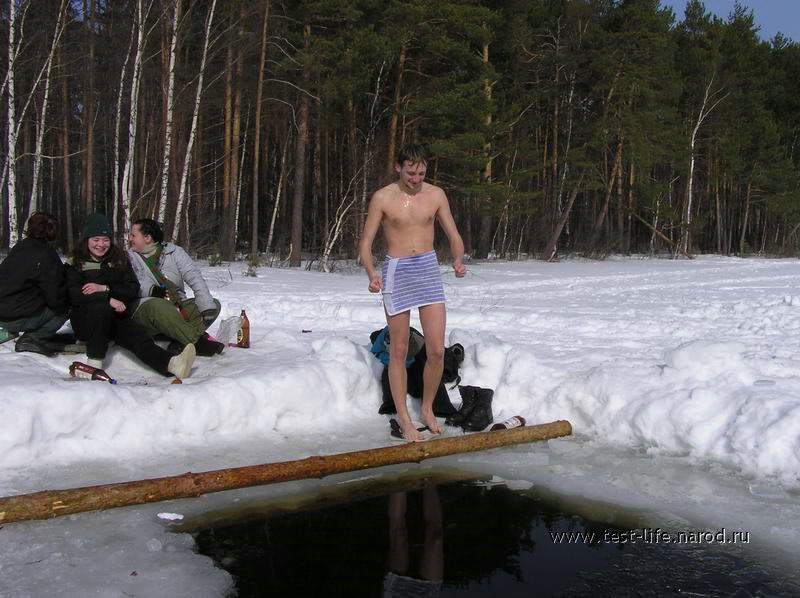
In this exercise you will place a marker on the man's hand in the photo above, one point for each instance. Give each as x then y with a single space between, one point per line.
209 316
92 287
459 268
375 284
117 305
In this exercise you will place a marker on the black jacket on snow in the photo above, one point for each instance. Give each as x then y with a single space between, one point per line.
31 278
123 284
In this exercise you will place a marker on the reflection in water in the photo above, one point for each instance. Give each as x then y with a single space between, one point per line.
399 583
466 540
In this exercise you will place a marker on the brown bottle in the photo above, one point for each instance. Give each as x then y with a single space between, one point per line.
83 370
511 422
243 336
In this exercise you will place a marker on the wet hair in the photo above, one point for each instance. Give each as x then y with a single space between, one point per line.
148 226
41 225
116 257
415 153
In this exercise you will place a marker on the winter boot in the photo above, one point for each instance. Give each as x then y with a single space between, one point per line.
206 347
481 415
180 365
468 396
28 344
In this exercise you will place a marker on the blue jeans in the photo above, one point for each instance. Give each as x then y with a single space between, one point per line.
40 326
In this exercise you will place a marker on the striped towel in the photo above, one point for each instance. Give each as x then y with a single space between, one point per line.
410 282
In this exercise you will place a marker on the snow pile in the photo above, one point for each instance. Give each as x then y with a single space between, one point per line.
54 420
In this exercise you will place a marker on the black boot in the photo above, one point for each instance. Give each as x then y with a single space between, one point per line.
481 415
28 344
206 347
468 396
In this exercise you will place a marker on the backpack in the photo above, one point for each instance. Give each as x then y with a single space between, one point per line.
381 339
453 355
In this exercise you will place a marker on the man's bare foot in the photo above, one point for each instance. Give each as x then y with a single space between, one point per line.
410 432
429 419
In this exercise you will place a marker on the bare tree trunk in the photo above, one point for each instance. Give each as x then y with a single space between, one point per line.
705 110
127 176
165 161
229 235
745 218
300 159
240 181
116 192
278 193
362 204
88 177
48 504
398 86
228 145
11 125
65 163
35 197
717 205
550 249
183 188
317 174
631 203
615 172
257 137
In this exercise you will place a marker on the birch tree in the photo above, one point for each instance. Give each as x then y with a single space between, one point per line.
11 124
711 100
187 159
115 188
127 174
165 161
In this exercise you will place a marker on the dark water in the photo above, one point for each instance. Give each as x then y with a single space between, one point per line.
478 540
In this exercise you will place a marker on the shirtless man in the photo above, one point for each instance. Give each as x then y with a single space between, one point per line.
410 276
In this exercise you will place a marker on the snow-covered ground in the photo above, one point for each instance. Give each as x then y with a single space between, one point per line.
681 380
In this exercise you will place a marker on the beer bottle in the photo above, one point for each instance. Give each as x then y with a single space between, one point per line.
243 336
511 422
83 370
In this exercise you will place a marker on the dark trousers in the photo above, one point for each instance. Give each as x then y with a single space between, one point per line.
97 324
40 326
442 407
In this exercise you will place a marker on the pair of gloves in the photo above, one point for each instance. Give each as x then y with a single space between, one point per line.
208 315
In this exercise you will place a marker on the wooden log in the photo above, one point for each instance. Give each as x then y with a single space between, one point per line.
55 503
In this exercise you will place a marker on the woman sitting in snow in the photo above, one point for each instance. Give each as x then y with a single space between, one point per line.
101 286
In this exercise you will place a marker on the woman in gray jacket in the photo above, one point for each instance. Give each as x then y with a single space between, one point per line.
164 270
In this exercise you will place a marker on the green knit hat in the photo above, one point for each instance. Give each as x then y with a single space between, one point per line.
97 225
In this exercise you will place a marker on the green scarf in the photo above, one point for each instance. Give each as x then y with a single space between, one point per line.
173 296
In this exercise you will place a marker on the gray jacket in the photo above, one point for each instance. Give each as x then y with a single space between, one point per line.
176 265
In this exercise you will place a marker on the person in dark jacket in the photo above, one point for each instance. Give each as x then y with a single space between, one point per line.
33 298
102 288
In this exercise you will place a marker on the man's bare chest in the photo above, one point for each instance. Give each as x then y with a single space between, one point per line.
412 212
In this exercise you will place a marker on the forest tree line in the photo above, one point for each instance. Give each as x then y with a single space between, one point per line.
261 127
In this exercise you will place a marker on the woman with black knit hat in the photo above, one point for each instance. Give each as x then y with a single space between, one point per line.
102 286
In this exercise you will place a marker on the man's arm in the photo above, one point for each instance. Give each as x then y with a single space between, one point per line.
371 225
448 225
